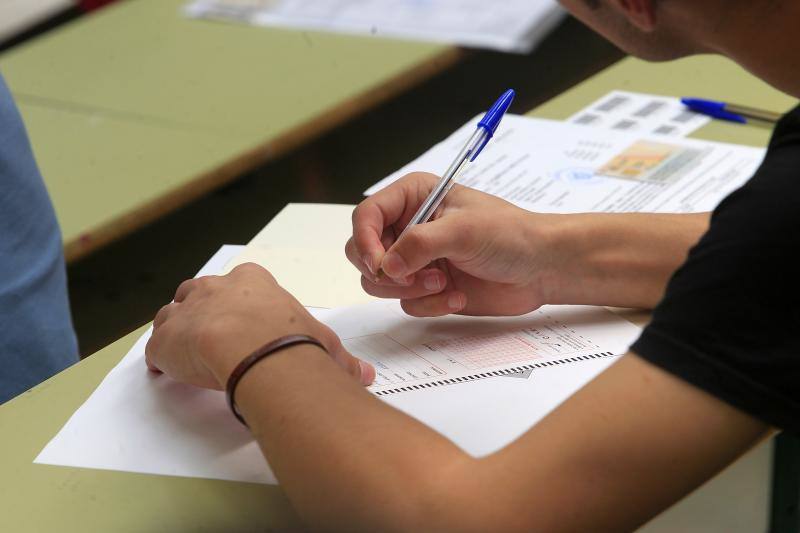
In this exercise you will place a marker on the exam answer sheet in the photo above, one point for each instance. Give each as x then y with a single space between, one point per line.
556 167
481 382
509 26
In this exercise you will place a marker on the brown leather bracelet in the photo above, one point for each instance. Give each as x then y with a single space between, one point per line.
263 352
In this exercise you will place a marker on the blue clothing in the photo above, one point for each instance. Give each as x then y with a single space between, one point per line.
36 335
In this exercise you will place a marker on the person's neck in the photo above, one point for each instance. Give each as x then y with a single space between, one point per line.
763 40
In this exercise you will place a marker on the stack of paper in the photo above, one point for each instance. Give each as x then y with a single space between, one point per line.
510 25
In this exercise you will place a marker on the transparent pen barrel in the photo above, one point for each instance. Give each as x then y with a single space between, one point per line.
434 200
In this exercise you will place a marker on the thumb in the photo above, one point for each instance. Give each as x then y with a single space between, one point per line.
422 244
357 368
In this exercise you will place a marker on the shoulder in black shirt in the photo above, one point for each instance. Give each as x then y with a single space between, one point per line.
729 322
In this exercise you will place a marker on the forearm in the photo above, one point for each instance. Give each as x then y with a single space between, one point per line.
622 260
348 461
345 459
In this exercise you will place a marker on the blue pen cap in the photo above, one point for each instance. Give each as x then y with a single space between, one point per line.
713 109
492 118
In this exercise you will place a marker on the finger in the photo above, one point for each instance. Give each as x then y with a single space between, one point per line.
163 314
196 285
357 260
151 366
149 350
386 207
184 289
249 269
444 303
425 243
388 238
424 283
359 369
369 219
384 280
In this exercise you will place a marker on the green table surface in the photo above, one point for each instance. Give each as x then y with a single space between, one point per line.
141 109
701 76
50 498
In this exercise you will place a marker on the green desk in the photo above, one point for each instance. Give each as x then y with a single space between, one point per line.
136 110
701 76
44 498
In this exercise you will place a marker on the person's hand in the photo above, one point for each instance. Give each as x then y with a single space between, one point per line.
216 321
480 256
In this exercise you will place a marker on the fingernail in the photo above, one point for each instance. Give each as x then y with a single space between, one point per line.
367 372
368 261
432 282
394 265
455 302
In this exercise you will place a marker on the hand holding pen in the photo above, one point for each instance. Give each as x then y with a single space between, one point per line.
475 145
481 256
485 130
476 257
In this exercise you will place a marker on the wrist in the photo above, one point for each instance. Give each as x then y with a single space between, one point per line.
222 347
552 243
622 259
574 256
259 357
277 378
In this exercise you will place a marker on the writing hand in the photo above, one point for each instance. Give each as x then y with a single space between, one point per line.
480 256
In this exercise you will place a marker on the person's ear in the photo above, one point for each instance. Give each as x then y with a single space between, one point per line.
641 13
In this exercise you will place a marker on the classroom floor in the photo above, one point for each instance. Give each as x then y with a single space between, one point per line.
122 286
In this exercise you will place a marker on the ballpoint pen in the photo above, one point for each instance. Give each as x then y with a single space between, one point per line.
476 143
484 132
731 112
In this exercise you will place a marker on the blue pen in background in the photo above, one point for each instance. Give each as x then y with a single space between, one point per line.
731 112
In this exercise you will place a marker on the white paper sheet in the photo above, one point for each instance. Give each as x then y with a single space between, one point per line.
556 167
137 421
413 353
303 247
311 226
511 25
329 281
640 113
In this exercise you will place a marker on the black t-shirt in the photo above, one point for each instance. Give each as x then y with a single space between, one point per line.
729 322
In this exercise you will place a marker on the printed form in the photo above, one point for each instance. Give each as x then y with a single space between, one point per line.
412 353
641 113
557 167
